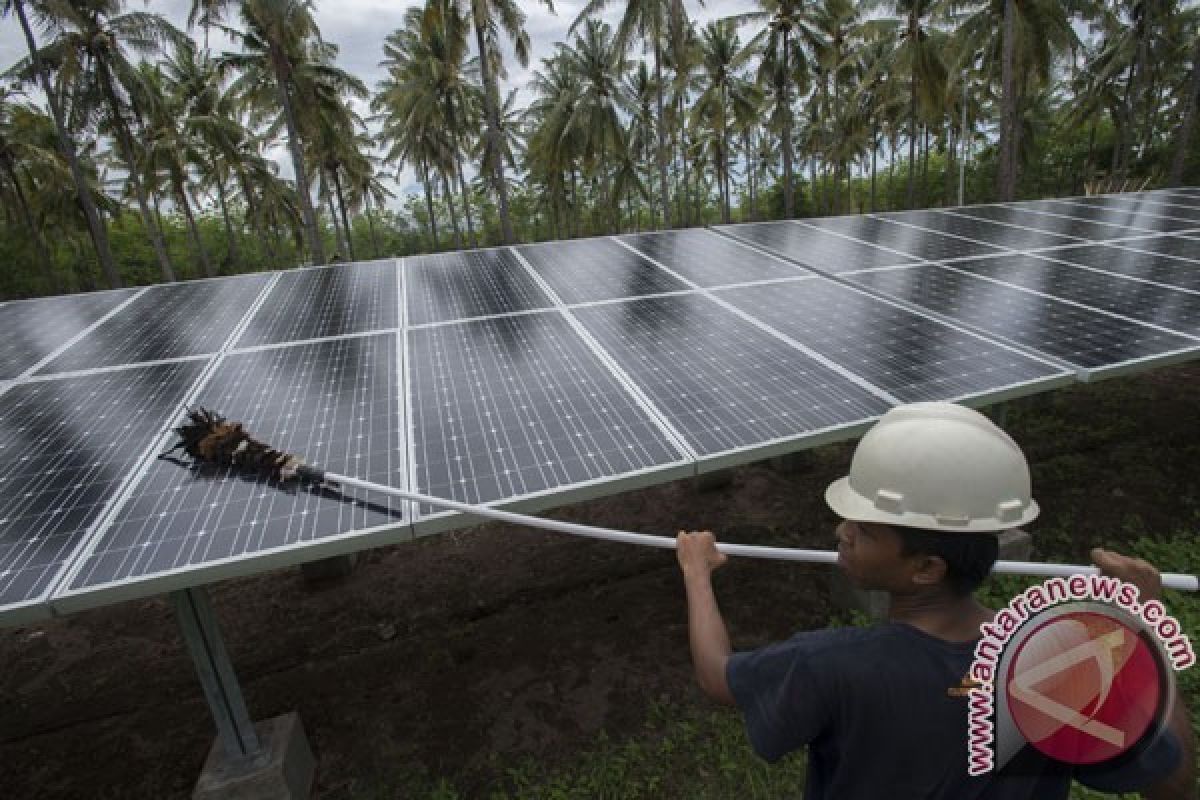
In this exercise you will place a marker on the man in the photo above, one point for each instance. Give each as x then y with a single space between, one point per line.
882 709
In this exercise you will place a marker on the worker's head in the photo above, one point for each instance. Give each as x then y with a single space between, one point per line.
929 488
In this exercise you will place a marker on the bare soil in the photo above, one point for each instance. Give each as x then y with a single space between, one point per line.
455 655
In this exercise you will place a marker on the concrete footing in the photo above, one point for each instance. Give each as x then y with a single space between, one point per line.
1015 545
282 770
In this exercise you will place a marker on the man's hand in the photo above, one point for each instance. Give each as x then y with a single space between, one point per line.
1141 574
697 553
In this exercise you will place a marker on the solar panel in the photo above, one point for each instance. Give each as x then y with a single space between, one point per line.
911 356
332 402
475 283
167 321
1080 336
587 270
514 407
815 248
923 244
1183 247
327 301
1077 228
980 230
1164 269
708 259
1179 197
1143 205
1140 220
35 329
1157 305
729 388
67 446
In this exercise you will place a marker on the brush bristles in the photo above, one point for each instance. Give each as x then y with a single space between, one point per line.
209 438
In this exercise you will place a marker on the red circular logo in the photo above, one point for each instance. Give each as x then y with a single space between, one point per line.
1083 687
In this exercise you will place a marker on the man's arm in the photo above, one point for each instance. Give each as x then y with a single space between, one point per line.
1180 784
698 557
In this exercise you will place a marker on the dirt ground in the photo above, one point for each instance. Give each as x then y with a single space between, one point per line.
451 654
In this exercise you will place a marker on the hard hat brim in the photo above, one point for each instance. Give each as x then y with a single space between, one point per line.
849 504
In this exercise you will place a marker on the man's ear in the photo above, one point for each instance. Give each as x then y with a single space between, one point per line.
928 570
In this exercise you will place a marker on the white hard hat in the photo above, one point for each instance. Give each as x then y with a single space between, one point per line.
937 466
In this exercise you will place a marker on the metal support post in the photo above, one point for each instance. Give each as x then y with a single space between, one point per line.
235 729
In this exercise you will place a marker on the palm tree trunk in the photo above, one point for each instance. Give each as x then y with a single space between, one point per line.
341 196
789 201
125 142
925 167
662 145
684 215
466 199
449 195
1189 121
96 227
339 241
493 144
1008 108
231 242
39 245
193 231
371 224
912 107
874 153
429 205
315 246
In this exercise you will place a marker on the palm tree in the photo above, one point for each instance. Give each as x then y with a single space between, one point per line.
276 34
18 152
488 17
1188 125
96 227
725 94
788 30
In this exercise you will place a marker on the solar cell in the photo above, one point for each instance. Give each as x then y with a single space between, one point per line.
1155 267
327 301
1140 220
587 270
726 385
1077 228
980 230
1080 336
335 403
909 355
67 446
512 407
1184 247
818 249
34 329
1157 305
708 259
174 320
474 283
924 244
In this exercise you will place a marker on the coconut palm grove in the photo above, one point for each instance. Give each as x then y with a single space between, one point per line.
134 152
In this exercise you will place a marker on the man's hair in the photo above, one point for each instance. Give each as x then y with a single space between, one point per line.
969 556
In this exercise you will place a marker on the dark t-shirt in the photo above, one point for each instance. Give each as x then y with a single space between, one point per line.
883 714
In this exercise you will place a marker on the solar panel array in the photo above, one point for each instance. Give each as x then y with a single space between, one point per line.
533 375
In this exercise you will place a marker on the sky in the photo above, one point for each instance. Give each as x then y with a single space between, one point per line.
358 28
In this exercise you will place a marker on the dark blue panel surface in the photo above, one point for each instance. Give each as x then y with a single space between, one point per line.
474 283
909 355
1030 220
33 329
722 382
65 447
1140 204
167 321
1155 267
586 270
1184 247
327 301
924 244
1157 305
334 403
1081 336
980 230
710 259
1136 221
513 406
815 248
